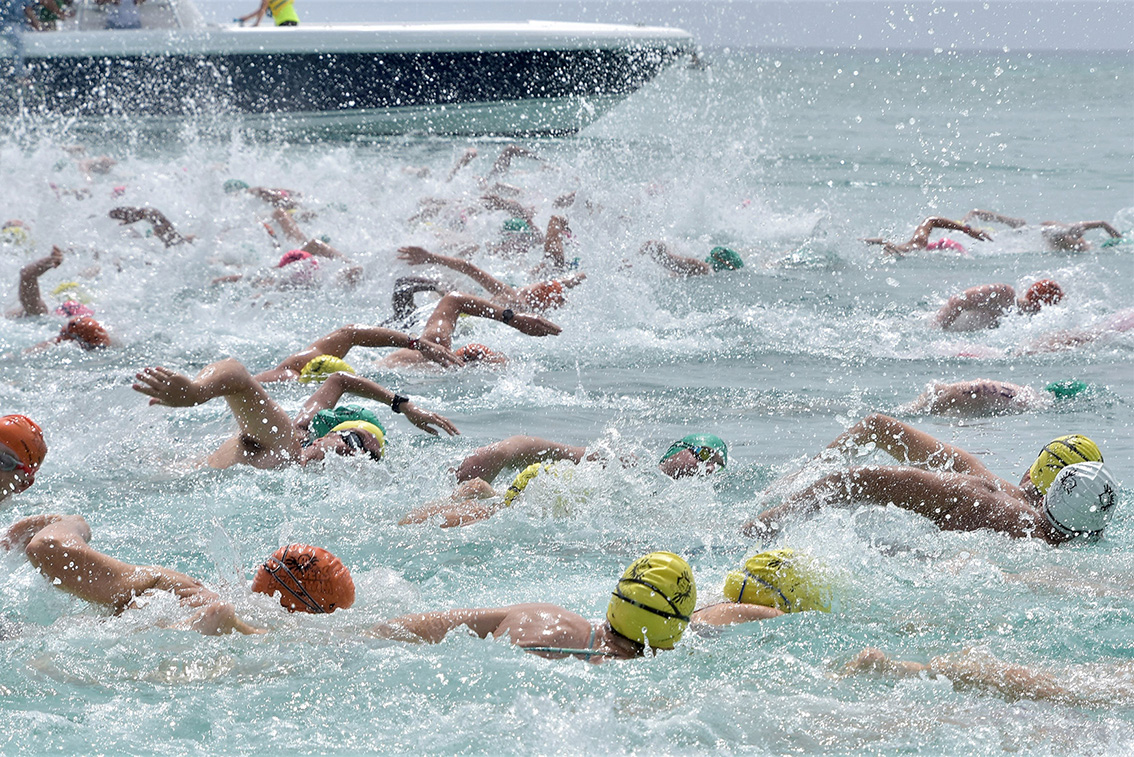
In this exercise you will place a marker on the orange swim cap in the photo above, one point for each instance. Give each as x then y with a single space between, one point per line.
308 579
88 332
478 353
23 436
1043 292
545 295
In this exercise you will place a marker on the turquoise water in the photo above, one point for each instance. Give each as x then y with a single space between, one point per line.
790 157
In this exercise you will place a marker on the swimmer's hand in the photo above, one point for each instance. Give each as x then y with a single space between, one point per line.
217 619
533 325
22 531
416 255
426 420
976 233
438 354
871 660
166 387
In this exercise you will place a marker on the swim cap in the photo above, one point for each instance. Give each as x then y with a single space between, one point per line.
520 482
545 295
1059 453
326 420
478 353
308 579
88 332
1116 241
73 309
516 226
72 290
319 368
14 232
780 578
724 259
291 256
653 600
377 431
1043 292
946 243
1067 389
23 436
693 443
1081 500
234 185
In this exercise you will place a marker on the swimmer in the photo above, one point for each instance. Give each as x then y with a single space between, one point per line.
539 297
474 499
268 438
771 584
719 259
82 330
283 199
22 450
651 607
31 299
282 11
920 238
439 330
325 355
985 397
1121 322
162 228
1058 236
982 307
1067 492
305 578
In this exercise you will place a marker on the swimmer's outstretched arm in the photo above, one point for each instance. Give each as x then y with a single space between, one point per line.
259 416
504 160
162 227
978 397
439 327
1081 227
432 627
340 341
992 299
515 452
557 229
993 217
907 445
338 384
969 669
463 161
492 285
732 613
945 223
31 301
679 264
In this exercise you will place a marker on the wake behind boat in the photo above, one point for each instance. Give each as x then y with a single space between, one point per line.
531 77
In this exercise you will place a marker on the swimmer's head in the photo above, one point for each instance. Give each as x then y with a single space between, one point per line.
1081 500
306 578
724 259
1043 292
1065 390
232 186
478 353
782 578
318 369
545 295
327 420
302 268
72 290
686 456
15 232
653 600
73 309
86 331
1057 455
294 256
516 226
945 243
358 437
22 449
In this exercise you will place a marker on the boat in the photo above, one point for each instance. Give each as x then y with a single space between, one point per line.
516 78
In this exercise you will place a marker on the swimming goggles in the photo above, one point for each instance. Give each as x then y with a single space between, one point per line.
9 462
701 452
356 444
274 566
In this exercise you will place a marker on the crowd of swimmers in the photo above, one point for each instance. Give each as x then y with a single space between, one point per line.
1068 493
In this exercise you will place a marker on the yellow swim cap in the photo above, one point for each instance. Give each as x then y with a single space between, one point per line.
1058 454
14 234
365 426
780 578
653 600
319 368
72 290
522 479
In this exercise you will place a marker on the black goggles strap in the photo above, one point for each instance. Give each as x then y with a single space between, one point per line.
302 596
676 611
756 579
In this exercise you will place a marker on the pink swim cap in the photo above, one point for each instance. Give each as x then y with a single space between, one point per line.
292 256
945 243
73 309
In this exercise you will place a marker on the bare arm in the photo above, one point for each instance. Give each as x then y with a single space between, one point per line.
731 613
421 256
992 300
162 227
946 223
1084 226
30 298
679 264
432 627
514 452
993 217
907 445
344 383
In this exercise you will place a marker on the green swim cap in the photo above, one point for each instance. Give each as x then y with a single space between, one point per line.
697 442
516 225
724 259
326 420
1064 390
1116 241
234 185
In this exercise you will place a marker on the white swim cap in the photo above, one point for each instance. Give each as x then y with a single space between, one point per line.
1081 499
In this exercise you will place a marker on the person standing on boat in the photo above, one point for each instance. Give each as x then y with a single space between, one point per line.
283 11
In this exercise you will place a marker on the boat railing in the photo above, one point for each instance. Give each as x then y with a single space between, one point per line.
90 15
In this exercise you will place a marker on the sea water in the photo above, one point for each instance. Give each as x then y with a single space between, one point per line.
790 157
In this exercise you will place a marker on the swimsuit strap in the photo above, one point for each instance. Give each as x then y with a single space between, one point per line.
588 653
